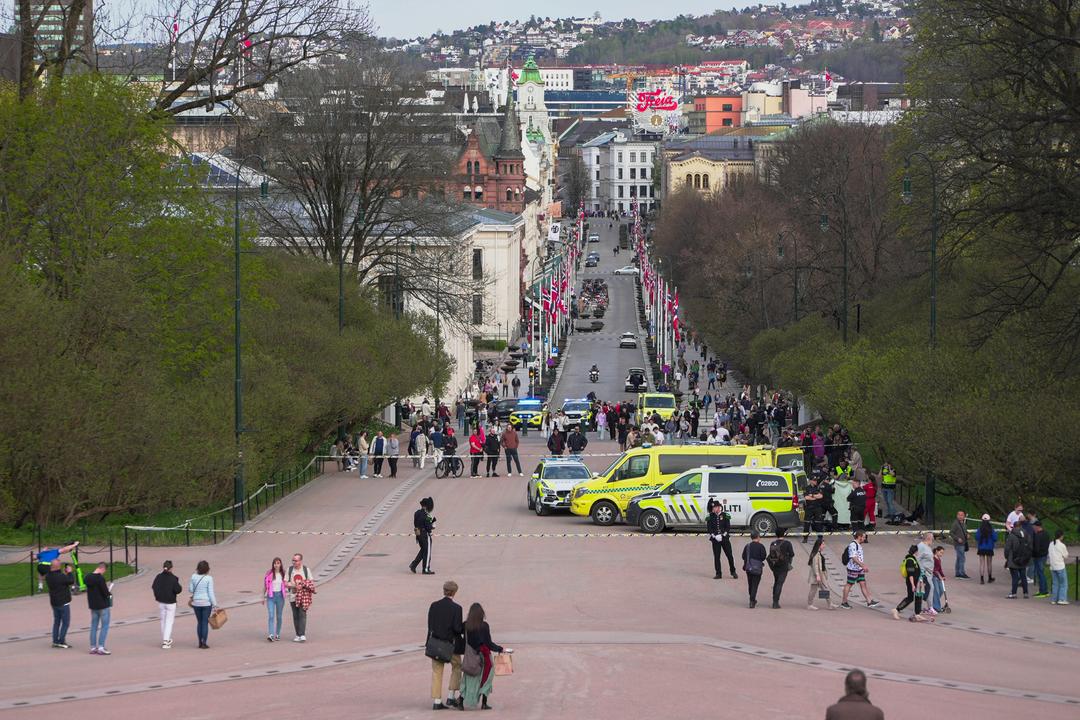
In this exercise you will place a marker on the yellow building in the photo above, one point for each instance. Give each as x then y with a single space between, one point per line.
707 163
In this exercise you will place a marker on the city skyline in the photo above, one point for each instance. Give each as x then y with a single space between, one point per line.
423 17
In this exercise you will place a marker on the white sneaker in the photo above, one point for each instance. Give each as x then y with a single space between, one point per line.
297 639
1063 602
303 638
521 474
363 477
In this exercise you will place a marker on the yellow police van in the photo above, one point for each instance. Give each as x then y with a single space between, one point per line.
643 469
758 498
649 404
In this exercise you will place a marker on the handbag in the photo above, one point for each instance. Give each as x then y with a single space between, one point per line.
754 566
439 649
824 594
472 662
504 664
218 618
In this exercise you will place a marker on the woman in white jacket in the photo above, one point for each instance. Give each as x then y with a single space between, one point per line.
1057 556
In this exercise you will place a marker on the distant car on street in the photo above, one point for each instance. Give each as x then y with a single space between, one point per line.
592 262
635 380
628 340
626 270
593 237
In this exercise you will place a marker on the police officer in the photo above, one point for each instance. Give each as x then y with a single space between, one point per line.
843 469
828 504
815 508
856 500
423 525
718 527
888 487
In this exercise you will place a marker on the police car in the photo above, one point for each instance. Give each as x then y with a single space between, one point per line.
577 412
551 483
758 498
529 412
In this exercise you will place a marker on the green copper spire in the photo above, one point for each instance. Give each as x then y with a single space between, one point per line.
530 73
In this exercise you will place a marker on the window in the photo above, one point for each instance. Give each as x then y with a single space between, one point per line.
689 179
697 181
633 157
726 107
597 174
635 467
478 309
727 122
619 173
633 173
686 484
468 167
705 181
478 192
769 483
643 191
678 464
633 191
620 157
620 207
720 483
597 159
509 195
644 173
477 264
466 194
620 191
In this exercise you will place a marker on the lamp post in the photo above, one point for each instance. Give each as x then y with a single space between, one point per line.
238 377
823 223
930 490
906 195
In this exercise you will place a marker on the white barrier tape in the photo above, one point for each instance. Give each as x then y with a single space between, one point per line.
879 533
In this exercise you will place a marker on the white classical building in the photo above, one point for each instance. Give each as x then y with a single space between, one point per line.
620 166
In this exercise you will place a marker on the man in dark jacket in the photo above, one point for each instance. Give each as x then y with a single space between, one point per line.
856 501
423 526
1018 549
59 582
445 623
753 557
718 527
1040 550
779 557
855 705
556 443
166 587
99 599
577 441
492 448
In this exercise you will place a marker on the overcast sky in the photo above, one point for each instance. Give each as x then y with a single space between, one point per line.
412 18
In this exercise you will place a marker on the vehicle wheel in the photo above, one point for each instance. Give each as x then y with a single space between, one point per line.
604 513
652 522
539 506
764 523
459 467
440 469
529 499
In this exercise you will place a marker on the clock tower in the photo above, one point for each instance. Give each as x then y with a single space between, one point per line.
530 87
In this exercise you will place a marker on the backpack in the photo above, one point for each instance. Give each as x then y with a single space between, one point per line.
776 558
1022 555
904 566
846 557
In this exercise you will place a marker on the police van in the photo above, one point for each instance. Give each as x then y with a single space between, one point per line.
758 498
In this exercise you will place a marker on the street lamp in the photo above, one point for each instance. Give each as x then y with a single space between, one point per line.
906 195
238 388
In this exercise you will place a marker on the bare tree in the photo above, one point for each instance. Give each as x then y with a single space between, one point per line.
361 168
577 183
40 51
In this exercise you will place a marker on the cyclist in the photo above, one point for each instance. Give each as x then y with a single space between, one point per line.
449 449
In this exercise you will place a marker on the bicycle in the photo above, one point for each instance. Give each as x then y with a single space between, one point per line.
447 465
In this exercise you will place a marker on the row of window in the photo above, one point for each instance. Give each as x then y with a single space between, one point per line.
477 193
636 191
645 157
474 168
700 182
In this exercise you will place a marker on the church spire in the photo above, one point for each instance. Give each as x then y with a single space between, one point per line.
510 140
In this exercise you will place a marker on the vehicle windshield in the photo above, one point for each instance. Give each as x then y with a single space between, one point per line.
528 405
567 472
575 406
659 402
607 471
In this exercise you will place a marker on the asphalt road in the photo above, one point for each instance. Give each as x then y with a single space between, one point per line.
602 347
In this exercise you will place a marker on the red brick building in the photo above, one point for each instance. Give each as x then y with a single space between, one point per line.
491 167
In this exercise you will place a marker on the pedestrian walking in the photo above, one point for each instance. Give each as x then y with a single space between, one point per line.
1018 548
301 586
274 586
99 599
855 705
577 442
556 443
937 581
985 540
510 442
166 587
59 580
856 570
818 576
779 560
476 452
423 448
753 557
718 526
423 526
959 536
203 601
393 450
1058 555
516 385
1040 550
911 573
378 453
363 447
444 624
478 684
492 446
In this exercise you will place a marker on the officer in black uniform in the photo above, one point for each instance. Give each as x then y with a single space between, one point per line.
423 525
718 527
815 507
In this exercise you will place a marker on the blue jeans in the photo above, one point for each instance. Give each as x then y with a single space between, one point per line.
939 590
99 617
363 465
61 620
961 556
275 604
202 622
1061 585
890 493
1038 568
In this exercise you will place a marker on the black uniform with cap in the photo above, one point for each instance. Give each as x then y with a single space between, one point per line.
423 525
718 526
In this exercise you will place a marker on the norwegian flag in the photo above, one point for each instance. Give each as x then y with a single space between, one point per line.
553 293
545 299
675 316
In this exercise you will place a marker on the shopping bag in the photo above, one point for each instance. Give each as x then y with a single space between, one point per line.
823 594
218 618
504 664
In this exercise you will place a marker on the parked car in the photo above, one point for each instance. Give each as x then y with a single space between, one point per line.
593 237
626 270
628 340
592 262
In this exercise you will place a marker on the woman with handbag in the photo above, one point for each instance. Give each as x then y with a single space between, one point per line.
753 557
478 664
202 601
819 578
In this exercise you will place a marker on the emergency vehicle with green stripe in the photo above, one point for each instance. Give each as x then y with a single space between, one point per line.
644 469
758 498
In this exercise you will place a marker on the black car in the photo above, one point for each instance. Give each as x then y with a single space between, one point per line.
504 407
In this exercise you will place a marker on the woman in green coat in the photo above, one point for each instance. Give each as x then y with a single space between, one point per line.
477 688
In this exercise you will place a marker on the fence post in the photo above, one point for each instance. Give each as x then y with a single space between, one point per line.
1076 579
111 563
32 573
136 551
126 559
187 534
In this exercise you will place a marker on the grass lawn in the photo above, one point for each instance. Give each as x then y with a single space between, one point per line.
15 578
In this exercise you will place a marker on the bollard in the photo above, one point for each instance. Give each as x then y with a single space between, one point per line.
111 563
1076 579
126 559
33 585
136 551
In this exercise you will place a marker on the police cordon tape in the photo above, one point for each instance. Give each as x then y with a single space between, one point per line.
841 533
